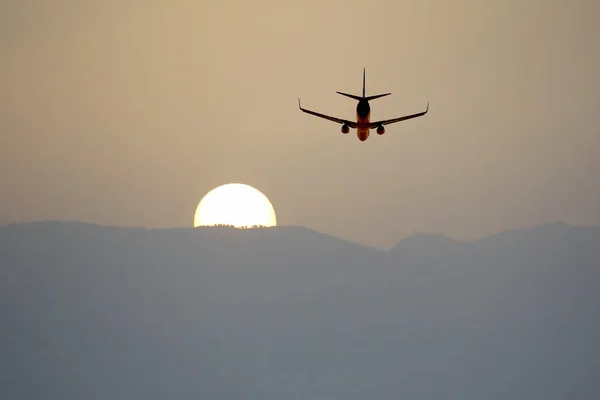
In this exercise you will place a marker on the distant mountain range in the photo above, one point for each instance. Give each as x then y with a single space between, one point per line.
101 312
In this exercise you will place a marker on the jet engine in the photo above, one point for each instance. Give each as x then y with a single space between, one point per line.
380 130
345 129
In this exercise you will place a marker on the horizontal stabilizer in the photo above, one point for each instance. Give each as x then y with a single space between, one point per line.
352 96
377 96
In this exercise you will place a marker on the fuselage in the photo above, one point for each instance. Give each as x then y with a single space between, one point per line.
363 115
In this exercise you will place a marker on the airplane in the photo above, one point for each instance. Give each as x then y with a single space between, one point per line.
363 115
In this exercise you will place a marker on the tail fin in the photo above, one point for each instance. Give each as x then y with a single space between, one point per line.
355 97
374 96
364 73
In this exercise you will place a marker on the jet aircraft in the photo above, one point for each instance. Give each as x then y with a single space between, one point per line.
363 115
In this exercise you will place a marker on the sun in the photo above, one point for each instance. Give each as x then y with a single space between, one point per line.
236 204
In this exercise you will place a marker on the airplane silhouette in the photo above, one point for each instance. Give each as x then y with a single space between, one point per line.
363 115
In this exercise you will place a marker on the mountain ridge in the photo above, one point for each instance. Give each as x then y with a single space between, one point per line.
418 239
107 312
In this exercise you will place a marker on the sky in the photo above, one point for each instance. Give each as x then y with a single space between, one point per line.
127 112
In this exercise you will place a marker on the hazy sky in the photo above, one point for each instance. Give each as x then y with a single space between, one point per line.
127 112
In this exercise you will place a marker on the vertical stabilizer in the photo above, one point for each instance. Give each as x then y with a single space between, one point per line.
364 72
355 97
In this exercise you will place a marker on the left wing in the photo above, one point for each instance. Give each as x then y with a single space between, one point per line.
334 119
391 121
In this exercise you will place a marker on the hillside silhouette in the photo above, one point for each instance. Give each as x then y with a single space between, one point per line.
102 312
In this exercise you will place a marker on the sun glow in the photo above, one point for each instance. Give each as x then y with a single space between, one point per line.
235 204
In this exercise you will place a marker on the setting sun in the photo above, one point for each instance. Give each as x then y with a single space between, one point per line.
235 204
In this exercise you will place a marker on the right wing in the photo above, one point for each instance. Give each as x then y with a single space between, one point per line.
334 119
391 121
